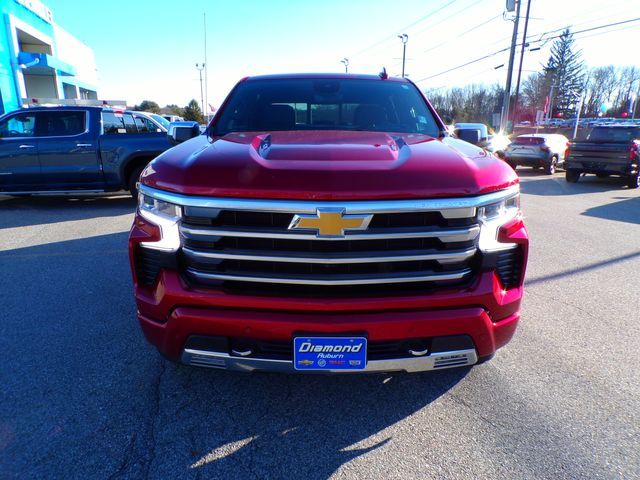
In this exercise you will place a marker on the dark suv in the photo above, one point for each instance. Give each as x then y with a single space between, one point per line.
606 150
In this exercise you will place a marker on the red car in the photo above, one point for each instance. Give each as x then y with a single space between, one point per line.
327 223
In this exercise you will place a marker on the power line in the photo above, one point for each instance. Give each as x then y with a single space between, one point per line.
421 19
521 44
463 33
463 9
573 25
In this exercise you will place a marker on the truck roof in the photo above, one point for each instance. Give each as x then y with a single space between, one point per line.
73 107
357 76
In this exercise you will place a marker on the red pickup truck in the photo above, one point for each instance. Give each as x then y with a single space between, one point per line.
327 223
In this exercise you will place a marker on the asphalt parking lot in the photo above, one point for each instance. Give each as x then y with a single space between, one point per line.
83 396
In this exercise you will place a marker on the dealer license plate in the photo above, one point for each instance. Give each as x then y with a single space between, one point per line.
329 353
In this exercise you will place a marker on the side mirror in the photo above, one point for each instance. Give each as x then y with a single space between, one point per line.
182 131
471 135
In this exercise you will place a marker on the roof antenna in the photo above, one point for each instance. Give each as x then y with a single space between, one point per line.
383 74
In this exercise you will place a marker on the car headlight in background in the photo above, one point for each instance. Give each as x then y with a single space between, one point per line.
166 216
494 216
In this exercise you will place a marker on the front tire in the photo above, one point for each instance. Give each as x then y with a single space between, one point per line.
133 181
572 176
633 181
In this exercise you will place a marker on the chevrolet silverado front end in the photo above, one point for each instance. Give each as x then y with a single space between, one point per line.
327 224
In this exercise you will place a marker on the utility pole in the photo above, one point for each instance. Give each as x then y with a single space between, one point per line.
200 67
507 90
345 62
575 128
524 45
206 79
550 111
404 38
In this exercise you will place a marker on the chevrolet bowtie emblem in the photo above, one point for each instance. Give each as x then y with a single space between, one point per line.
330 222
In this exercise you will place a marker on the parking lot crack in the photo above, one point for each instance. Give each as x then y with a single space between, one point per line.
155 418
564 302
475 411
126 458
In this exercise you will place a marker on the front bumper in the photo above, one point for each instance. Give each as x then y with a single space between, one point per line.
171 313
435 361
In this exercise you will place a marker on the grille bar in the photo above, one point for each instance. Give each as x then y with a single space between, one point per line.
332 280
446 235
246 244
442 257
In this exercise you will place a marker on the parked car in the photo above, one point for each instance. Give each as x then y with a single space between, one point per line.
146 122
74 149
483 132
153 121
173 118
544 150
327 223
606 150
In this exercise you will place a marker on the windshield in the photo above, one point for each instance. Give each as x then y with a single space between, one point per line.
326 104
161 120
613 135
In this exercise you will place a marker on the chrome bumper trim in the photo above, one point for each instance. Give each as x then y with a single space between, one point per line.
435 361
452 256
405 277
446 235
450 208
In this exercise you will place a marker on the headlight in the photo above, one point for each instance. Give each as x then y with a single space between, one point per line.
494 216
166 216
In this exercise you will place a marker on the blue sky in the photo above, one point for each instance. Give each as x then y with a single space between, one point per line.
148 49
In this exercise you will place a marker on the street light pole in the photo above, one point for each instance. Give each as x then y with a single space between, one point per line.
404 38
200 67
345 62
206 79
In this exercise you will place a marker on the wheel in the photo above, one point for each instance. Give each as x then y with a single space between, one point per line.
633 181
550 168
572 176
133 181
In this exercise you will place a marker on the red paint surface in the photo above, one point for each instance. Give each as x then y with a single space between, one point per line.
328 165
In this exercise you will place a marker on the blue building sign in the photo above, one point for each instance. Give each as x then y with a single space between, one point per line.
39 61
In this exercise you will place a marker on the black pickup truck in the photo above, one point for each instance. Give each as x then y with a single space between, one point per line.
606 150
75 149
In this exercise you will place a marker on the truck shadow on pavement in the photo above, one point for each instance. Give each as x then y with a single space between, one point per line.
278 426
53 209
626 210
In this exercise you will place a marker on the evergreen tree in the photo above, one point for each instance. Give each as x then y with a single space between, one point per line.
565 69
192 112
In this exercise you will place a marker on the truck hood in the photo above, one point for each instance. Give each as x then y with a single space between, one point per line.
328 165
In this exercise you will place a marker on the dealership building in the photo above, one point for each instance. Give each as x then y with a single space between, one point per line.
40 61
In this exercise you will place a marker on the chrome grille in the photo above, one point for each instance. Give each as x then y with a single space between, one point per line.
251 244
